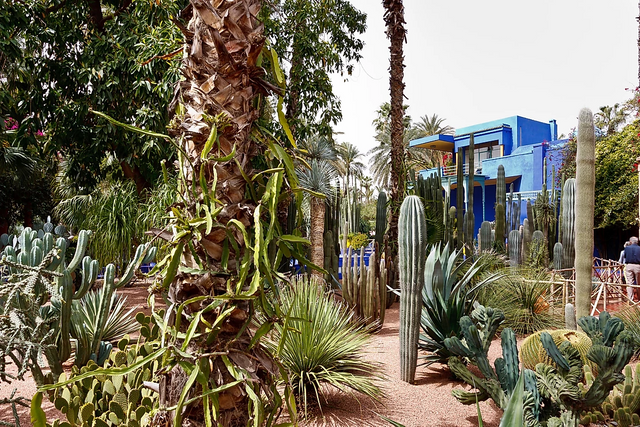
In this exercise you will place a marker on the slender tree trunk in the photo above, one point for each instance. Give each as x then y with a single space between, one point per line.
394 20
317 233
638 20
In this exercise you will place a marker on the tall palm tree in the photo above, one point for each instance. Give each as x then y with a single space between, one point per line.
214 111
433 125
348 164
367 185
319 176
394 21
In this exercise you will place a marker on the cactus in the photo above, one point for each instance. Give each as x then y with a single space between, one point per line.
526 241
556 385
102 400
623 404
568 223
486 242
33 254
469 218
459 200
532 351
585 196
558 253
381 218
451 224
514 248
538 250
412 253
500 228
570 317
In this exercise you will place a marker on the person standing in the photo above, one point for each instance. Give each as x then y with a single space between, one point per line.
632 266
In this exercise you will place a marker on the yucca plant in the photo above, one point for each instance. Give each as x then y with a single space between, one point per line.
321 344
520 295
450 288
630 316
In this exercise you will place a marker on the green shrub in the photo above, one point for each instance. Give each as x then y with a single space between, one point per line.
631 318
357 240
520 295
322 344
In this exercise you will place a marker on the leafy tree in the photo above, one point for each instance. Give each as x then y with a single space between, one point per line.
314 38
609 118
65 59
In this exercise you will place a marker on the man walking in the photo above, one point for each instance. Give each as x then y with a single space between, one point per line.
632 266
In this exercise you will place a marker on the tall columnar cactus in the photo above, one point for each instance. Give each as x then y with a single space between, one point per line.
412 236
500 227
453 212
459 200
381 218
558 256
569 222
486 242
570 321
470 221
526 241
510 216
585 196
501 186
531 217
514 244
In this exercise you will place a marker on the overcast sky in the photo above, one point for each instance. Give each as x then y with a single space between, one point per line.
472 61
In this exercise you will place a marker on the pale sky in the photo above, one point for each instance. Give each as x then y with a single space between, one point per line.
472 61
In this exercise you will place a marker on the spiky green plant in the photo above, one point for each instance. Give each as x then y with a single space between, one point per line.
451 285
631 318
520 295
322 344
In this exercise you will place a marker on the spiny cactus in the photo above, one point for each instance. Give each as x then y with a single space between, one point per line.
585 196
514 248
526 241
500 227
459 200
486 242
532 352
570 317
568 223
364 287
623 404
558 256
412 253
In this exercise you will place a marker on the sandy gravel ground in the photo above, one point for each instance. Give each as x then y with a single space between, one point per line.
426 403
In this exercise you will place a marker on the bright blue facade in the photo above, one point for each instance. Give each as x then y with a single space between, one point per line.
519 144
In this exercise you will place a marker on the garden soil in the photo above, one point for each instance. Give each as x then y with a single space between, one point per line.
426 403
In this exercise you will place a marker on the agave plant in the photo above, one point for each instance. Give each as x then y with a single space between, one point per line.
322 344
450 288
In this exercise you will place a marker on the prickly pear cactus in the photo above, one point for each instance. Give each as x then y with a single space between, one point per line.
412 234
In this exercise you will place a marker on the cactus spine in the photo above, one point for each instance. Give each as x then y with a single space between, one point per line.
412 230
585 195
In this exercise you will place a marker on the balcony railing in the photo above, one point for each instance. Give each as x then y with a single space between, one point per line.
452 170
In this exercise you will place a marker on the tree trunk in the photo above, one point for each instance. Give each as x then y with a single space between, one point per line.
221 80
317 233
133 173
394 20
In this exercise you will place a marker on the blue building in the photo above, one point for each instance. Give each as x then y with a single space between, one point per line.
519 144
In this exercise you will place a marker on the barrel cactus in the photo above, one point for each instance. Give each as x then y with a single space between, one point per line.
532 352
412 234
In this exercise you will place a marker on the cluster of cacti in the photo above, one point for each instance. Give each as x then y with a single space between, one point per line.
350 211
364 288
58 231
622 405
43 262
553 396
119 400
430 192
532 352
412 230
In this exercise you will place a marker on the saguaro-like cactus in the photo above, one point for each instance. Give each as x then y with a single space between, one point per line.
486 242
569 222
412 229
514 248
585 195
526 240
459 200
500 227
469 218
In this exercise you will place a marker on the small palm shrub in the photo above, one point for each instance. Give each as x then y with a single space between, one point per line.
321 344
520 295
451 286
630 316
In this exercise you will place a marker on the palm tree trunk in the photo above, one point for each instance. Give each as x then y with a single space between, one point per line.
394 20
317 233
223 41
